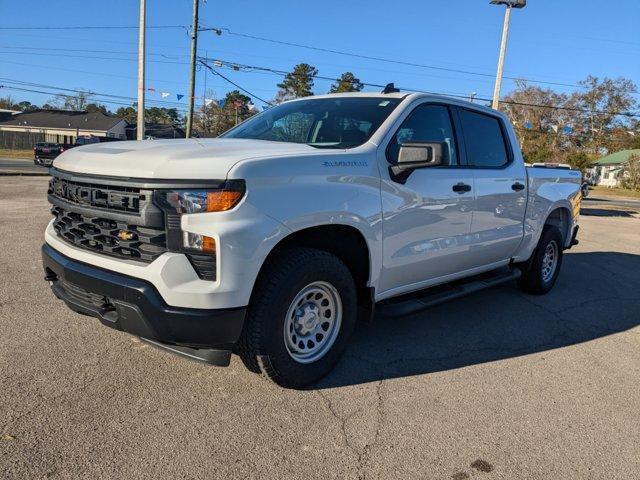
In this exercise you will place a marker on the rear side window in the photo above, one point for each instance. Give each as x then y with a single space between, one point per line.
484 140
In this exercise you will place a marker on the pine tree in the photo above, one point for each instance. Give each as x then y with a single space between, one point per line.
347 83
298 83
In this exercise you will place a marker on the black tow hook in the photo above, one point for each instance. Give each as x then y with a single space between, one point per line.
50 277
108 311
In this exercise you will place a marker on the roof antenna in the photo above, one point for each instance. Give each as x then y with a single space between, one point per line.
390 88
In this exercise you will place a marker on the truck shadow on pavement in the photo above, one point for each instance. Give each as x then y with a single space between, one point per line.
596 295
603 212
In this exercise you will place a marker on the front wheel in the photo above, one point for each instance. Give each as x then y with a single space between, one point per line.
540 273
300 317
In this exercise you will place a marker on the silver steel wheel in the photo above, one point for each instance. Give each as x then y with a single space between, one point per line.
549 261
313 322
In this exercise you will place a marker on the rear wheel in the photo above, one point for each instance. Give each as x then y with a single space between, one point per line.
540 273
300 317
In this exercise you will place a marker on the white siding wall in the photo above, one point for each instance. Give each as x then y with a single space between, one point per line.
118 131
607 175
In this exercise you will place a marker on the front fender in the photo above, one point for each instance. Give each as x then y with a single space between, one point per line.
335 204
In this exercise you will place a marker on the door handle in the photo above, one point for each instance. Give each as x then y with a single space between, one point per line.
517 186
461 187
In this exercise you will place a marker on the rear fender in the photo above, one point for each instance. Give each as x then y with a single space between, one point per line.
545 198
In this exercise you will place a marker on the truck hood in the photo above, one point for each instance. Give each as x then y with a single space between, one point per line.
180 159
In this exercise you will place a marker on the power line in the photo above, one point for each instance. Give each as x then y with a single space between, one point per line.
244 67
109 102
202 62
57 91
93 57
19 47
240 67
118 59
20 89
388 60
103 74
87 92
256 69
310 47
94 27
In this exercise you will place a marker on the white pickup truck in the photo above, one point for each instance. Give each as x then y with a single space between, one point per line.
271 240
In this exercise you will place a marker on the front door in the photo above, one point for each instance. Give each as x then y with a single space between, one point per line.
426 220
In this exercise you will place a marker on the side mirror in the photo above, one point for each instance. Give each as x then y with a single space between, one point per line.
416 155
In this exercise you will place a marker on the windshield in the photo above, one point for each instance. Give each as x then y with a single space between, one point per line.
322 123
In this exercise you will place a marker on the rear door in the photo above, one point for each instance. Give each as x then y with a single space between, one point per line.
426 219
499 184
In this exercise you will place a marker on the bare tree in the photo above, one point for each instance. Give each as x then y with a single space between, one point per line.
631 178
556 126
76 103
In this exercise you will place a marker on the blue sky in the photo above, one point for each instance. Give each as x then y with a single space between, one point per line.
550 40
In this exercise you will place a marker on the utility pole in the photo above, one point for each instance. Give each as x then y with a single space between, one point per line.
192 77
503 45
204 95
141 92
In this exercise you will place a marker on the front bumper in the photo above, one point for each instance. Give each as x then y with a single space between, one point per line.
135 306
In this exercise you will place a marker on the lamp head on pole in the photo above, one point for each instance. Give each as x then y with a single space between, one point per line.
510 3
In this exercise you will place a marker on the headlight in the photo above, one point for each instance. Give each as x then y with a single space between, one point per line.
189 201
198 201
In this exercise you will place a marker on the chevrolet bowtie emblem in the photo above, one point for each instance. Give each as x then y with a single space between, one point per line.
125 235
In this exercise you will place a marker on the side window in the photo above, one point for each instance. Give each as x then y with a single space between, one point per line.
427 123
483 139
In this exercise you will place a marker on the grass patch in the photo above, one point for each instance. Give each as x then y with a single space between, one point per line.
5 152
618 192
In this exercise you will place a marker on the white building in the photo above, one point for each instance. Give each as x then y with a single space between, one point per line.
61 126
609 170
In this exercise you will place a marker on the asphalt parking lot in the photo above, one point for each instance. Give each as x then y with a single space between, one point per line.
498 385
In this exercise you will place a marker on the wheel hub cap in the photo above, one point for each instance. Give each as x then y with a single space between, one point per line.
549 261
306 318
313 322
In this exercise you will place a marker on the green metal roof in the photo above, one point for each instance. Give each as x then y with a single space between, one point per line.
617 158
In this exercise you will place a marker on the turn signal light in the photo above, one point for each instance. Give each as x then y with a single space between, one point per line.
222 200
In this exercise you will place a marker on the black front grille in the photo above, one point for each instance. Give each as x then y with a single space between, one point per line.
108 197
109 237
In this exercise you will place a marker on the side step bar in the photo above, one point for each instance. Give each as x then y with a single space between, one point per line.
423 299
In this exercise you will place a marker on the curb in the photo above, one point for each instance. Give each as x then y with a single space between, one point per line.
24 174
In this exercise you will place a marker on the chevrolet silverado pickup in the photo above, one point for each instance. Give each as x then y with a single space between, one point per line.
270 241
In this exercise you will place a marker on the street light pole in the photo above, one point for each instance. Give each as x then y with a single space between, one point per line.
141 48
503 45
192 77
503 51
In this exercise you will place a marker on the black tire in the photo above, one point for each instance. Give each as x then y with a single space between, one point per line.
262 345
533 280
